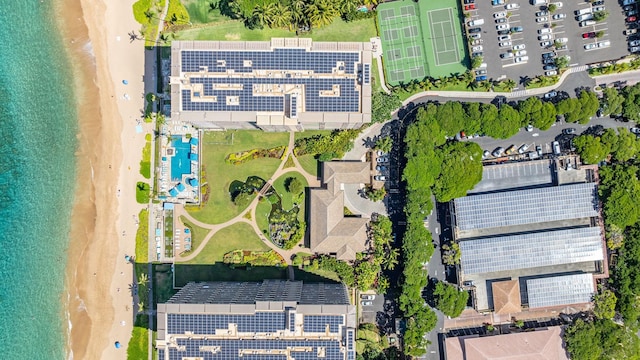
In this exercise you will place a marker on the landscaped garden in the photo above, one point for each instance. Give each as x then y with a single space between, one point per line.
216 146
197 233
280 213
234 237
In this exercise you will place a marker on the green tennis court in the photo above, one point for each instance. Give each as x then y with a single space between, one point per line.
421 39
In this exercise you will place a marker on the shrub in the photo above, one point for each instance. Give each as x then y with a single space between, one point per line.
142 192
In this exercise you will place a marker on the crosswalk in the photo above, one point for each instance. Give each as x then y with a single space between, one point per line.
519 93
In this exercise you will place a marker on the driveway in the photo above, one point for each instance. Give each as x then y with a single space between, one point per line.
359 205
369 313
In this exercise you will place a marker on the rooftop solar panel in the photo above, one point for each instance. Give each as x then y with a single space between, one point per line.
528 206
560 290
531 250
366 74
205 324
318 323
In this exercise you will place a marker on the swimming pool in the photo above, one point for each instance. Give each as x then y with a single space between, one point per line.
180 163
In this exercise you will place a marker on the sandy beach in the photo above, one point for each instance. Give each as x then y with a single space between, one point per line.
98 277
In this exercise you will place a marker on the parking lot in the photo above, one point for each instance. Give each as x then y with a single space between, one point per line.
370 307
542 26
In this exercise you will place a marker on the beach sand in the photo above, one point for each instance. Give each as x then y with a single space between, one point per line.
95 33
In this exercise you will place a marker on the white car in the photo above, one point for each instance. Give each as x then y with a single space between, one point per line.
521 52
504 43
542 19
476 48
512 6
500 14
522 59
544 31
557 4
542 13
550 73
603 44
562 40
544 37
519 47
634 43
590 46
634 49
545 44
559 16
502 27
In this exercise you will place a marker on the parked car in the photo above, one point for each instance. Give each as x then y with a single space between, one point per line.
501 20
544 37
381 168
366 303
563 40
486 154
497 2
548 61
550 73
561 47
634 43
500 14
589 35
542 13
557 4
544 31
381 153
548 55
506 55
504 32
382 159
596 3
475 36
550 94
569 131
469 1
481 72
504 37
517 29
629 13
521 59
542 19
481 78
476 42
604 44
367 297
529 127
635 130
380 178
556 148
549 67
502 27
545 44
628 2
586 23
478 53
476 48
585 17
632 18
497 152
474 30
630 32
634 49
559 16
522 149
470 7
519 47
521 53
590 46
539 150
512 6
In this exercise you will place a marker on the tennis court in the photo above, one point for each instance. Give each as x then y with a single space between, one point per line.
421 39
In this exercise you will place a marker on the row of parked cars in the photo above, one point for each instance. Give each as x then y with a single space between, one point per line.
382 166
505 30
524 148
633 38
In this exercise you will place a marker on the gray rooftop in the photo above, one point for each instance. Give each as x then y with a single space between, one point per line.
540 249
527 206
560 290
268 290
514 175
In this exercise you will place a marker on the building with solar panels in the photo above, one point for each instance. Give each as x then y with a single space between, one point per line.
277 85
531 237
269 320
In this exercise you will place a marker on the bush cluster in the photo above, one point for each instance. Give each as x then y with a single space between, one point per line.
328 146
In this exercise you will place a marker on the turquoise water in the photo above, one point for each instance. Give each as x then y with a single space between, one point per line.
180 163
37 179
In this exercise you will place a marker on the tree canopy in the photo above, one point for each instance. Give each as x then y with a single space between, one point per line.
382 105
449 299
601 340
460 170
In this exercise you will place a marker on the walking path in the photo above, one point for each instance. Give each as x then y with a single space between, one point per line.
251 209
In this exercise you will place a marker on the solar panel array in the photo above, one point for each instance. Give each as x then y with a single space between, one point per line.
231 349
531 250
280 59
560 290
294 107
207 324
318 323
528 206
366 74
351 348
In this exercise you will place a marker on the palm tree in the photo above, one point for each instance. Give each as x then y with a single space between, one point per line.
298 12
391 260
281 16
468 77
510 84
486 85
346 6
321 13
141 307
263 13
383 284
472 85
143 280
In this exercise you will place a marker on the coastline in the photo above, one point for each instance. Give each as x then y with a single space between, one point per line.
97 276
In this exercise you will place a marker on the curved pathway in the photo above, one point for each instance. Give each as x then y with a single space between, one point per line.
251 209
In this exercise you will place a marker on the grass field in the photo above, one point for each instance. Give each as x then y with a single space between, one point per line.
234 237
262 215
339 30
285 196
220 175
142 192
308 162
197 233
139 343
142 237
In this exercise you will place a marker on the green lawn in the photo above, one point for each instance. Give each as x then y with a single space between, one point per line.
234 237
139 343
200 12
339 30
309 163
142 192
145 163
142 237
262 215
286 196
318 275
197 233
220 175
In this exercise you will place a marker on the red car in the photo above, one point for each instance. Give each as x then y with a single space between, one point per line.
470 7
631 19
589 35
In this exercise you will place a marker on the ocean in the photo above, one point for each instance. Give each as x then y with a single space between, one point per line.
38 126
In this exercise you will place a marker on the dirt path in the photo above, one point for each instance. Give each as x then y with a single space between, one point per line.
251 209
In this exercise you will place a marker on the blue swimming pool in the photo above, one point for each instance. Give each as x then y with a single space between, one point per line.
180 163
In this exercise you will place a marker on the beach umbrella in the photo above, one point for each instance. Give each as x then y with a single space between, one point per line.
117 344
125 82
127 258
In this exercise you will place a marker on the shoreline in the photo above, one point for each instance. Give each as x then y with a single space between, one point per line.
96 293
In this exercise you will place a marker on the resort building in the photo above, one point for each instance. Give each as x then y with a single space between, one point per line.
330 232
277 85
273 319
541 344
531 237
